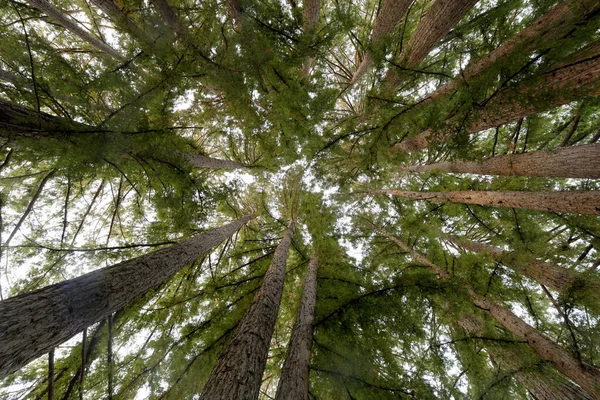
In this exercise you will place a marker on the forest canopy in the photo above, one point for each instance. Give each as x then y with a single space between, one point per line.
320 199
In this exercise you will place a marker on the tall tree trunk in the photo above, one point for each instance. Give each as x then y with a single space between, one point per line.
586 376
33 323
240 368
573 201
438 21
545 384
388 18
200 161
311 10
51 374
67 22
566 162
293 381
112 9
560 279
543 34
555 87
235 10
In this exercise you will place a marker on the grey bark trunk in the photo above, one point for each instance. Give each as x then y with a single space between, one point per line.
542 34
567 162
200 161
238 373
69 24
558 86
311 10
574 201
33 323
114 12
586 376
438 21
387 20
293 381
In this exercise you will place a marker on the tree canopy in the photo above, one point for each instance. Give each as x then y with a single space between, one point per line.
438 160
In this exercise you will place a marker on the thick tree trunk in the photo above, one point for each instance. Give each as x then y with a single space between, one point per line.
566 162
543 384
66 22
293 381
199 161
311 10
239 371
542 34
573 201
33 323
562 85
114 12
387 20
438 21
586 376
235 10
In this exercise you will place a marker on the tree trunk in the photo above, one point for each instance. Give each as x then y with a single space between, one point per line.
549 275
567 162
114 12
558 86
293 381
33 323
199 161
573 201
235 10
240 368
387 20
586 376
66 22
311 11
543 33
438 21
545 384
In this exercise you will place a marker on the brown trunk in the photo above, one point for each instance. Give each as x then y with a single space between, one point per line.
547 90
573 201
235 10
311 11
542 384
293 381
541 35
438 21
568 162
586 376
33 323
67 22
238 373
387 20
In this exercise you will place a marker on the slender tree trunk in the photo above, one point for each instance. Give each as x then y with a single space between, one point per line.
389 17
69 24
238 373
541 35
83 362
293 381
109 357
586 376
555 278
545 384
573 128
579 79
438 21
573 201
33 323
51 374
113 11
567 162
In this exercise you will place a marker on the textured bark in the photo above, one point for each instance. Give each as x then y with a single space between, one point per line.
199 161
543 34
240 368
567 162
573 201
114 12
311 11
293 381
387 20
33 323
69 24
438 21
542 384
586 376
551 89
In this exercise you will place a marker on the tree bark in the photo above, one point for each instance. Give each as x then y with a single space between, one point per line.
566 162
114 12
545 384
33 323
293 381
311 11
573 201
438 21
200 161
240 368
387 20
553 88
586 376
543 33
67 22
